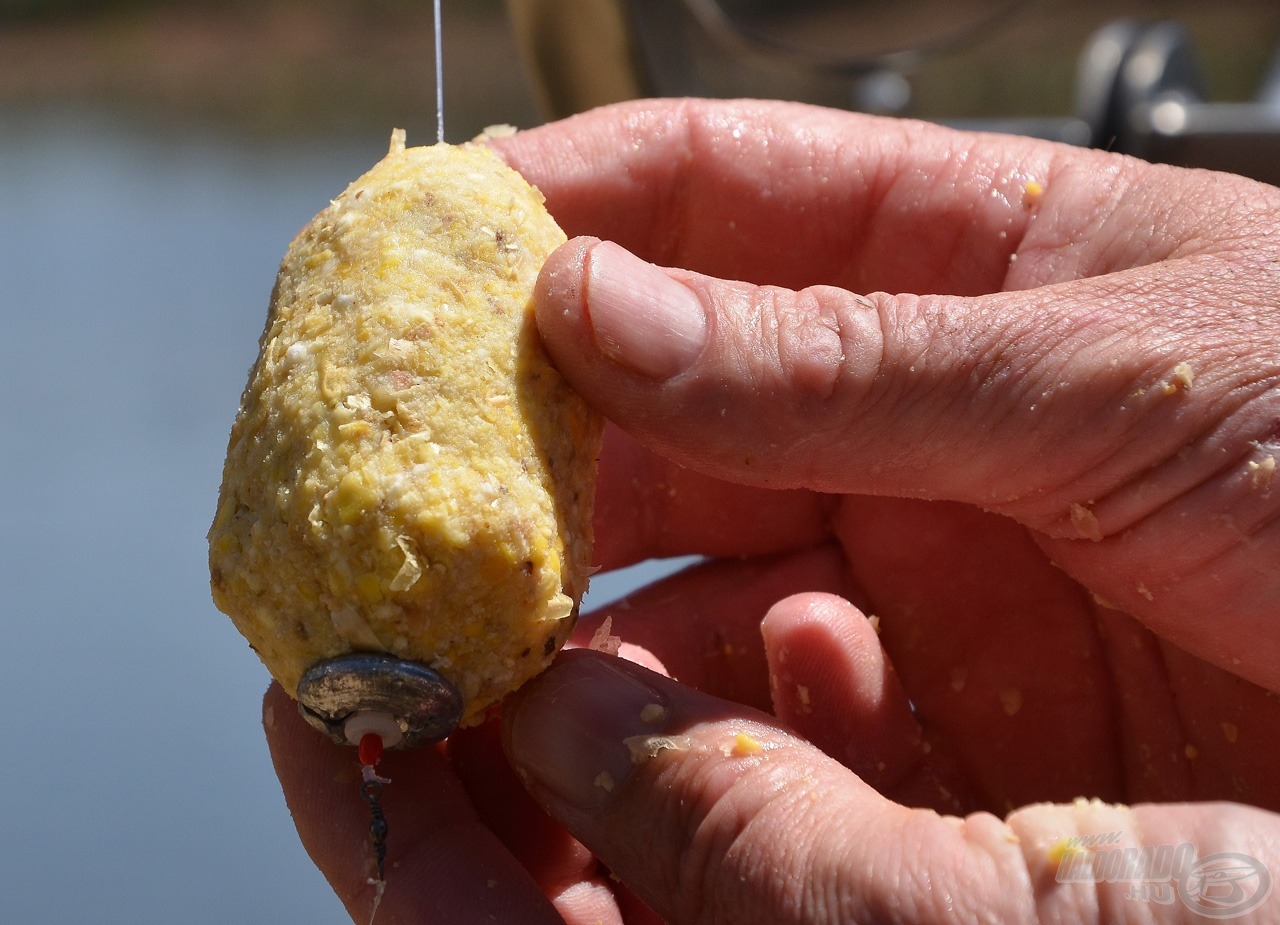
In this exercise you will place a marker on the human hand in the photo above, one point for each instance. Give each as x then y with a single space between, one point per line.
1039 378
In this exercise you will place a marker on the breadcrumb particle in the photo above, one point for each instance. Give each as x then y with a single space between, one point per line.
1180 380
1191 752
1085 522
604 780
1261 472
1142 589
653 713
802 695
644 747
875 623
1231 731
744 745
603 640
502 130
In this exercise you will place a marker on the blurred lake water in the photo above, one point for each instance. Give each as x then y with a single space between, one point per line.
136 262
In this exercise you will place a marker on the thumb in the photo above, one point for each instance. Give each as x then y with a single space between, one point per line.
711 812
1033 403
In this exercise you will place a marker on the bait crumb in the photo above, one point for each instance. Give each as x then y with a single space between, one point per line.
802 695
501 130
1011 701
1191 752
1058 850
643 747
1142 589
603 640
1261 472
1085 522
604 780
1231 731
1012 837
653 713
742 745
1180 380
1032 192
875 623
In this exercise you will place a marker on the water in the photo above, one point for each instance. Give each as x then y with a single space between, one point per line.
135 265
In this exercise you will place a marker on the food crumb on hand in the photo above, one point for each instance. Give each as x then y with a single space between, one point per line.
1059 850
1032 192
1180 380
1145 592
1262 471
1085 522
603 640
644 747
742 745
652 713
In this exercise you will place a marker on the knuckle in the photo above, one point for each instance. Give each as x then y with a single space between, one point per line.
823 340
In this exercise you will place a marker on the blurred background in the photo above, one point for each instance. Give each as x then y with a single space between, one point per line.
155 160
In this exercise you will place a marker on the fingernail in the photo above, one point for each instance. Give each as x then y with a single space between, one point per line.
569 732
642 318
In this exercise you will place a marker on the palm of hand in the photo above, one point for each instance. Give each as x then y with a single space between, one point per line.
1010 682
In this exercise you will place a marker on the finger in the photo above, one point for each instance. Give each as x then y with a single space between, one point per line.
1037 406
565 871
703 623
866 203
648 507
1093 861
442 865
833 684
723 816
1071 412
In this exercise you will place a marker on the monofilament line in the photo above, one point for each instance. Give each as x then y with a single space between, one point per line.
439 80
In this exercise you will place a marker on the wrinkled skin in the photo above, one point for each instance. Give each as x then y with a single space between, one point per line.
1027 428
